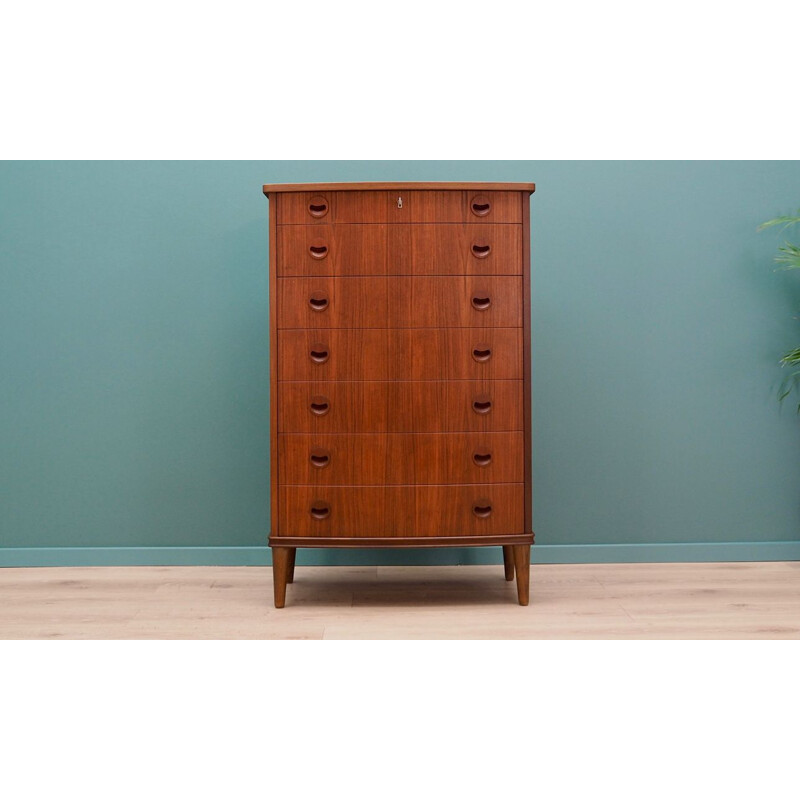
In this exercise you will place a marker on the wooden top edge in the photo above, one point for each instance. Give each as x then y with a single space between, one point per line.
269 188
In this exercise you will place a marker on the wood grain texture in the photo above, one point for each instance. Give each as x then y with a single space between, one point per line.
522 569
392 186
400 302
450 406
526 358
353 407
398 511
453 206
399 407
336 354
493 540
350 206
425 354
465 249
366 459
410 354
280 573
719 601
331 249
348 303
467 301
508 562
273 363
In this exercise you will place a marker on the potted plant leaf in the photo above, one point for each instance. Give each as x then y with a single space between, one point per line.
788 258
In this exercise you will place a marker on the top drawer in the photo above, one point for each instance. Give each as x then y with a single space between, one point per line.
309 208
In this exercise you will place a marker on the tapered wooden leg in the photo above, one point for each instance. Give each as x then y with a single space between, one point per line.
290 574
522 564
280 573
508 561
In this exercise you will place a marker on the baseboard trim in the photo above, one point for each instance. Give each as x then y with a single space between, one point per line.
260 556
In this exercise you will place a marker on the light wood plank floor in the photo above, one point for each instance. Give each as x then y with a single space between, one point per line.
582 601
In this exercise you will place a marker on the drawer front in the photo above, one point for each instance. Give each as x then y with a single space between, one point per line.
424 354
324 208
326 249
455 249
400 302
455 302
344 511
374 459
333 355
332 303
414 354
475 207
399 407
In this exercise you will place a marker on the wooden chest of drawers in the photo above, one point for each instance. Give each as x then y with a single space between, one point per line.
400 369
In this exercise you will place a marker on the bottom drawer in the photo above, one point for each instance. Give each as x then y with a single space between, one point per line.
378 511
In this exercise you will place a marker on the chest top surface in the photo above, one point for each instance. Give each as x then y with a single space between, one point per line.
272 188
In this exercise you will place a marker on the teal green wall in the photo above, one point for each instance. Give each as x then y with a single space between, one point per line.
134 401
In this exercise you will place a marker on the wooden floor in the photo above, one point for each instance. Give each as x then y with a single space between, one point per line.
585 601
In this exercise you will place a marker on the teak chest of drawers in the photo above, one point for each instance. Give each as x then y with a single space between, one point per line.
400 369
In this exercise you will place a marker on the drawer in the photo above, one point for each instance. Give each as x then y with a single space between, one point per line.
455 206
455 249
333 355
327 249
399 407
415 354
344 511
332 303
371 459
400 302
424 354
322 208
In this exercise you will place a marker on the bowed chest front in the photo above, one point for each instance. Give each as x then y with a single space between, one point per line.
400 369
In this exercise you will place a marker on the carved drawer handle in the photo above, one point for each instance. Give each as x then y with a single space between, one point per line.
480 302
320 509
482 508
480 206
319 405
482 352
318 251
319 354
482 458
318 206
318 301
482 404
319 458
481 249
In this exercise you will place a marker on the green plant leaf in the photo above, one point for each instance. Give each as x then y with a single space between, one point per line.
785 221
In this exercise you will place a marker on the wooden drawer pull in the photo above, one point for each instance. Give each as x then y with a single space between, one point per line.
480 302
482 352
318 206
482 508
481 249
482 404
482 458
319 353
480 206
318 250
318 301
319 458
320 509
319 405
